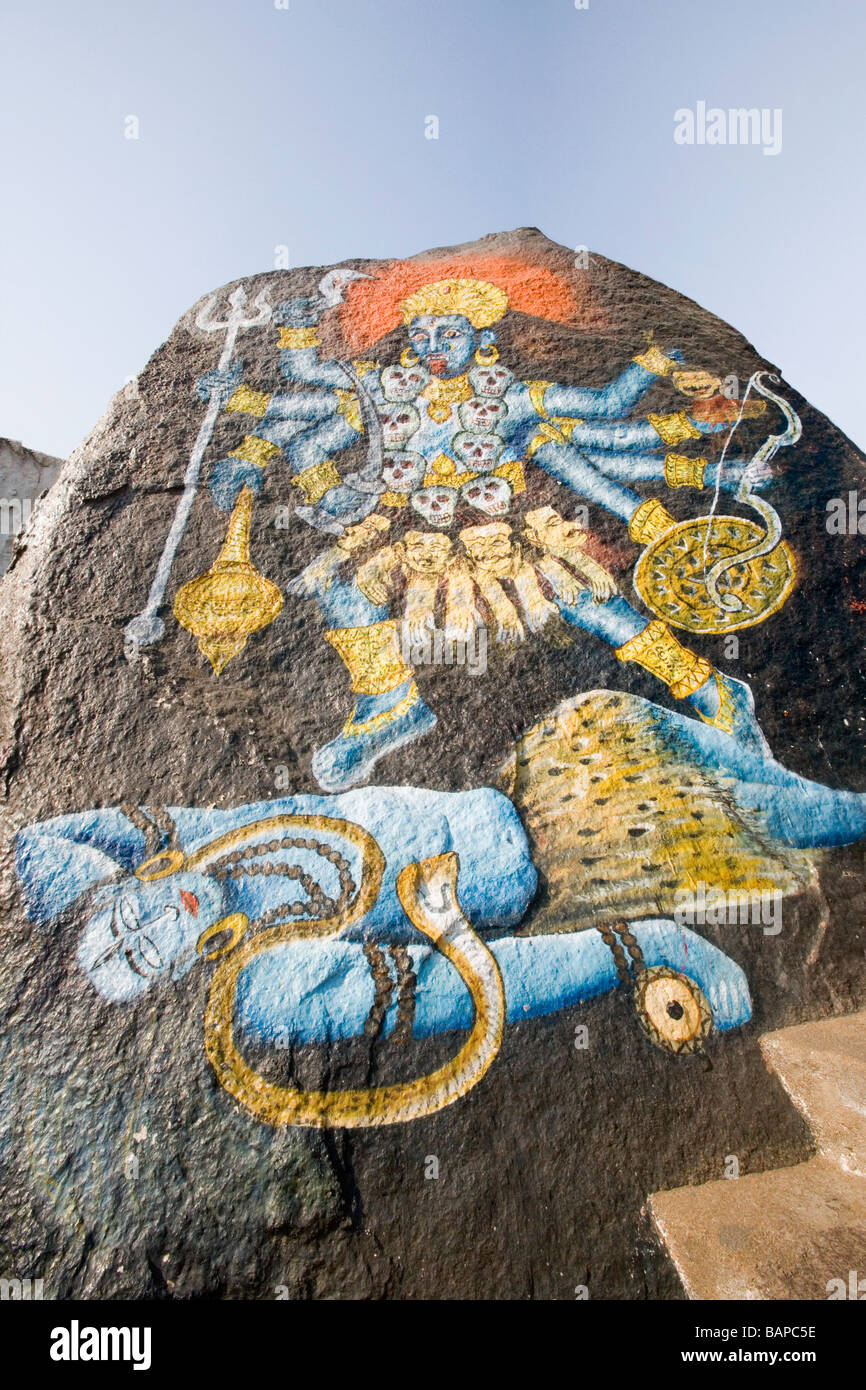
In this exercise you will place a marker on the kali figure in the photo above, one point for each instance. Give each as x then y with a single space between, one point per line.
402 913
441 520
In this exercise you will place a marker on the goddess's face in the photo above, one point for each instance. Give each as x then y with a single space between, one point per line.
444 343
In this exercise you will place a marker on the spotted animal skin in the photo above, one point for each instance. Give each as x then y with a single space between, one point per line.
621 814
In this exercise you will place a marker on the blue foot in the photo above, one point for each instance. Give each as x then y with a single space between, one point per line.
350 758
721 979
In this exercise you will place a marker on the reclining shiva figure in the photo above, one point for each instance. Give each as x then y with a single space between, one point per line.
401 913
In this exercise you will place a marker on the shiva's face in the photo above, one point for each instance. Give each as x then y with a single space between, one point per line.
445 343
143 932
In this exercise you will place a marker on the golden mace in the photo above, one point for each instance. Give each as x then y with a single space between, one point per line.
225 606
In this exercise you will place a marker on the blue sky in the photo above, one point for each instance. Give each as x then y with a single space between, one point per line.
305 126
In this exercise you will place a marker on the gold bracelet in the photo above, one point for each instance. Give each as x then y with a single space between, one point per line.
299 338
245 401
255 450
655 361
673 429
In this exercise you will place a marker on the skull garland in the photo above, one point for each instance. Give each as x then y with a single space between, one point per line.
403 471
403 383
490 495
482 414
477 453
399 423
436 504
493 380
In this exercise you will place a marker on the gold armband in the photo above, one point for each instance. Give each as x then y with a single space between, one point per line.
372 655
299 338
658 651
656 361
673 429
255 450
555 430
681 471
316 480
650 521
245 401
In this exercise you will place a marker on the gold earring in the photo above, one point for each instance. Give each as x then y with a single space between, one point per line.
491 357
408 358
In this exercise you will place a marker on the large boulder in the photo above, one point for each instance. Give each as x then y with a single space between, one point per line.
142 1154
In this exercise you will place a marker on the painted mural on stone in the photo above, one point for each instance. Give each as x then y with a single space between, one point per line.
400 912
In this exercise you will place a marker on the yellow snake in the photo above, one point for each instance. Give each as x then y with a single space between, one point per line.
428 894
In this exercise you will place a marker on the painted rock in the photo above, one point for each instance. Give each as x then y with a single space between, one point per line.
431 727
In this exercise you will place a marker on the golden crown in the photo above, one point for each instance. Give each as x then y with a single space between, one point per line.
477 300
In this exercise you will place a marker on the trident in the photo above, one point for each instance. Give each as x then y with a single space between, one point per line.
147 627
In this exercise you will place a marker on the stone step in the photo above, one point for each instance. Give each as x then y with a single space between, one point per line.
789 1232
823 1068
783 1234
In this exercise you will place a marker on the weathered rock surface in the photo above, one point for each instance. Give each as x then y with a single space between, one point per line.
130 1168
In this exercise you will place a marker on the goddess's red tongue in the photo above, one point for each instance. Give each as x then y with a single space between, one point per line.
437 365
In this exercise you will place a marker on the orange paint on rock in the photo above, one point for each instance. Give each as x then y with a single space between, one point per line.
371 309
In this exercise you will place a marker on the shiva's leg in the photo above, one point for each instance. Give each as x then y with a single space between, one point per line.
720 700
319 991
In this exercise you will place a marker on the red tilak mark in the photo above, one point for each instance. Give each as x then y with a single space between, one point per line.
190 901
